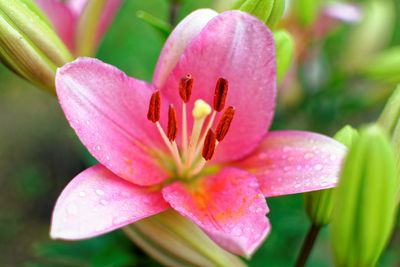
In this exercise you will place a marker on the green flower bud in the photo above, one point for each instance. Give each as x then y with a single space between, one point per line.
306 11
28 45
391 113
175 241
86 44
370 35
268 11
284 52
385 66
365 201
319 204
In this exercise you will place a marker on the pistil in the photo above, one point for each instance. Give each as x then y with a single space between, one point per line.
200 111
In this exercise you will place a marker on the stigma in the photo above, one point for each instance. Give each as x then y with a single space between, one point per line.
198 147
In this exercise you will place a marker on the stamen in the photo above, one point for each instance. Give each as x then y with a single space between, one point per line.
172 147
209 145
154 107
224 123
220 93
185 88
185 91
172 123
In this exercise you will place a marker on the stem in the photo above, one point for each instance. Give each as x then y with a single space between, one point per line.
307 245
173 11
184 131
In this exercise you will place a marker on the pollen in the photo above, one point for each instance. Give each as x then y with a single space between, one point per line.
220 93
154 107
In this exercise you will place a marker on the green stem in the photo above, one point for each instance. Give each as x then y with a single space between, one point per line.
173 11
307 245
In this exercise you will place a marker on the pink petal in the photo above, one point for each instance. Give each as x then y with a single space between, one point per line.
181 36
108 111
76 6
349 13
228 206
62 19
240 48
290 162
97 201
110 10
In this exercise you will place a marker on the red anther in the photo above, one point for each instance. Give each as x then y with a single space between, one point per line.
221 90
154 107
172 123
224 123
185 88
209 145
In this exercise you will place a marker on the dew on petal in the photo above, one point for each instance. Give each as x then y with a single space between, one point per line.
99 192
104 202
119 220
308 155
237 231
82 194
318 167
72 209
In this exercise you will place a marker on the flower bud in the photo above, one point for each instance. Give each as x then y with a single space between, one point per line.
365 201
175 241
28 45
268 11
370 35
306 11
319 204
384 67
391 113
284 52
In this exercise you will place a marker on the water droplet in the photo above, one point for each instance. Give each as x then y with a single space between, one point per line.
99 192
259 210
104 202
286 168
299 167
318 167
297 185
97 147
308 155
119 220
72 209
332 157
253 184
236 231
82 194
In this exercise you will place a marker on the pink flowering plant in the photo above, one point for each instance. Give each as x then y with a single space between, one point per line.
187 164
195 140
81 24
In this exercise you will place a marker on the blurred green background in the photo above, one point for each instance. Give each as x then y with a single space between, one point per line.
39 153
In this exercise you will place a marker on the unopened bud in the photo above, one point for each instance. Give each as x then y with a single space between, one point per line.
268 11
319 204
28 45
175 241
365 201
284 52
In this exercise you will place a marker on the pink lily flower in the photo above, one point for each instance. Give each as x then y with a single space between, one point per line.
222 68
65 17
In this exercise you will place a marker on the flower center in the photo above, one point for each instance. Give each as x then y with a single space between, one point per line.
198 147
